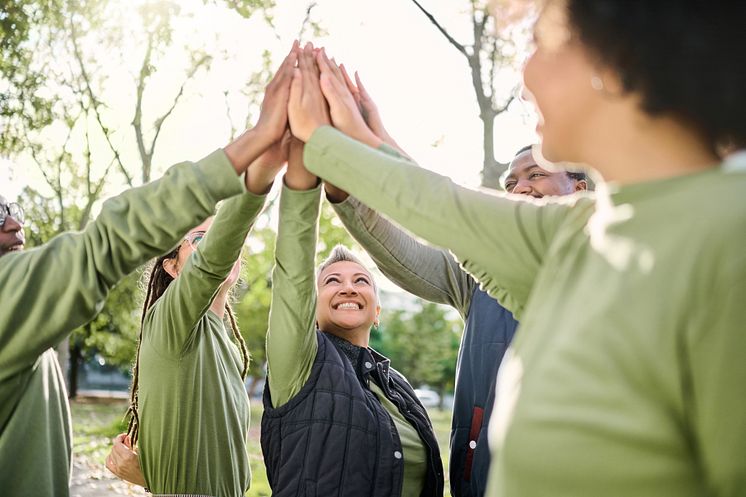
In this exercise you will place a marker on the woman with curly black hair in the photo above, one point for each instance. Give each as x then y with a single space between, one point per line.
626 375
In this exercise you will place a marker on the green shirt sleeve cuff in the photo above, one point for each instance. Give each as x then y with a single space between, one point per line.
299 203
388 149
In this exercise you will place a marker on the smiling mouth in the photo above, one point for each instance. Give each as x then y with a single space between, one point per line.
348 306
16 247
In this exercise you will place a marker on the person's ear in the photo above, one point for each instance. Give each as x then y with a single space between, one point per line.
581 185
377 322
171 266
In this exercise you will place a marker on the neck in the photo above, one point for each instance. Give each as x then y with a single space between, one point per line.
359 337
652 149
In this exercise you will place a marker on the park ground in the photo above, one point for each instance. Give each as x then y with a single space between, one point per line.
97 421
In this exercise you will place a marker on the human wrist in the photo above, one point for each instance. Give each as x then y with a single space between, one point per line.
259 180
242 151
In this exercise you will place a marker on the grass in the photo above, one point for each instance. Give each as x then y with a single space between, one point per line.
96 422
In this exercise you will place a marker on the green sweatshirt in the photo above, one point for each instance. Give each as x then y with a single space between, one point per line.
291 338
48 291
194 411
627 375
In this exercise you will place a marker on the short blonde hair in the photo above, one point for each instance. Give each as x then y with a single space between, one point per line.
340 253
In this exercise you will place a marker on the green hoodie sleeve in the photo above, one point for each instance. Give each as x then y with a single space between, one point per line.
291 338
500 239
174 316
48 291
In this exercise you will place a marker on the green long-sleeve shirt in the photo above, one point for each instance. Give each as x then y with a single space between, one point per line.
291 337
627 375
48 291
194 411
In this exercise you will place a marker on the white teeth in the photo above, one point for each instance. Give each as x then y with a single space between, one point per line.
348 305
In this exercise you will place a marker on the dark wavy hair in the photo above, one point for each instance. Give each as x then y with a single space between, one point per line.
686 58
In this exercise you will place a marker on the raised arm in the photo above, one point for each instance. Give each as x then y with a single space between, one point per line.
47 292
291 337
428 272
190 295
500 239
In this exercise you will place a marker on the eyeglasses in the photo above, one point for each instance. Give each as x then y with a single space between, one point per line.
13 210
194 238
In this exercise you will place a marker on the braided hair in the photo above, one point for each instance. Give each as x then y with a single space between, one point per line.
157 283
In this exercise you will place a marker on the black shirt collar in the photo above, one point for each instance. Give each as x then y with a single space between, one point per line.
363 359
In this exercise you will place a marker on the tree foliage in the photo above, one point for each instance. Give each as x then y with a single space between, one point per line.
422 344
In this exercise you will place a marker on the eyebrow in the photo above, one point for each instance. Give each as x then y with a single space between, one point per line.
339 274
528 169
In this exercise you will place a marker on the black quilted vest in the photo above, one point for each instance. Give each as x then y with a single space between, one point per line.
334 438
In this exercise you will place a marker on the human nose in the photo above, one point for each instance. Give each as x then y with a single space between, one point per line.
347 288
10 224
522 188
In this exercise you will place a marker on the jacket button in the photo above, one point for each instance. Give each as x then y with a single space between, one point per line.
397 454
368 365
472 445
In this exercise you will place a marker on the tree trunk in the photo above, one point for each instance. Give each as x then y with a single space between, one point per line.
442 397
491 168
75 360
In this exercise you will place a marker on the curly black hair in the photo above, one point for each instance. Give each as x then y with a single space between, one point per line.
686 58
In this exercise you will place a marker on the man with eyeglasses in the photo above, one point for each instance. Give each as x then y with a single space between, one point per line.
12 238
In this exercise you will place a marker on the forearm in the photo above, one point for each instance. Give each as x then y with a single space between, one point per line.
55 288
291 337
430 273
245 149
501 239
190 295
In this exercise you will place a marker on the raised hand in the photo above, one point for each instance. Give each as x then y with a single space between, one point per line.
369 109
273 120
344 111
307 108
262 171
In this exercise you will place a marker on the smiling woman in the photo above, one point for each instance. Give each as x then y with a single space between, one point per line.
338 420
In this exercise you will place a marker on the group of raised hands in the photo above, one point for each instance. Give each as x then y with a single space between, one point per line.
309 90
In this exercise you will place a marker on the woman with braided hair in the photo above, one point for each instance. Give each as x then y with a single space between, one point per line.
189 412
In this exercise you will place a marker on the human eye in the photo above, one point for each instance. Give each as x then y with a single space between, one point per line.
536 174
363 279
509 186
331 279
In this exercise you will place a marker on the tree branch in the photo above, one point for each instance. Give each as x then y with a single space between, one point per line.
306 19
159 122
440 28
137 120
94 100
